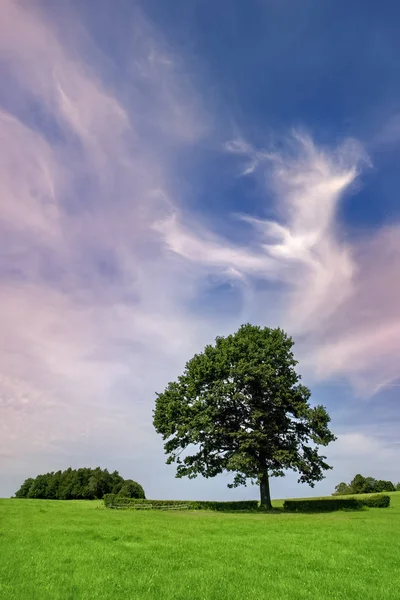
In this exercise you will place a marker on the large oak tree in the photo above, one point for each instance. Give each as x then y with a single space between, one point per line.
239 406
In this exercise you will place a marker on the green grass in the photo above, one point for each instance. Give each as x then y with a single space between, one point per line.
52 550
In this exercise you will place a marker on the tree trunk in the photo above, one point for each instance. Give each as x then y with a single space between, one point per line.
264 492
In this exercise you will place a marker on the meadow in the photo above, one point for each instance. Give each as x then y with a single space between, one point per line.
64 550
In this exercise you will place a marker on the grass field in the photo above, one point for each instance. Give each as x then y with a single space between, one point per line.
66 550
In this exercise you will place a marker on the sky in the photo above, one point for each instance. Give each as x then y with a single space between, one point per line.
169 171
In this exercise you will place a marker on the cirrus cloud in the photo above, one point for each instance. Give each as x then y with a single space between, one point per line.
103 260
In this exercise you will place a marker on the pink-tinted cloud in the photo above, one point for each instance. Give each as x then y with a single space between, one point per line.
88 306
340 297
102 260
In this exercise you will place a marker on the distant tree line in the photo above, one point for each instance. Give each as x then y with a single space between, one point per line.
79 484
364 485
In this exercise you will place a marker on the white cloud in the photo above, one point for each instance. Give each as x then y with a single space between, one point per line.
27 203
340 294
358 451
102 263
88 305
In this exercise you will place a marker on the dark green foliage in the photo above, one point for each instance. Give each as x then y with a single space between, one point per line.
384 486
331 504
39 487
360 485
112 500
240 407
363 485
342 489
376 501
322 504
24 489
131 489
398 487
79 484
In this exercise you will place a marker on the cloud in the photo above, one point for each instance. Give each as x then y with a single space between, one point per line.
103 263
354 449
22 149
362 341
88 306
339 295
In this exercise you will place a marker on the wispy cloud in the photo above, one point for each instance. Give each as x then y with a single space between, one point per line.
88 305
102 260
340 294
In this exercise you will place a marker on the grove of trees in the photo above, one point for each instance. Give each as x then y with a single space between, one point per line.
364 485
239 406
79 484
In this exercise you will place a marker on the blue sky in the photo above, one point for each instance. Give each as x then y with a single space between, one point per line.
170 171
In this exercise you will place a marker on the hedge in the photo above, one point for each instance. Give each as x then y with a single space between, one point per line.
112 500
376 501
331 504
307 505
322 504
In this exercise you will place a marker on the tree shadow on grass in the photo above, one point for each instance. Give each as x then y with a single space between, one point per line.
282 511
323 512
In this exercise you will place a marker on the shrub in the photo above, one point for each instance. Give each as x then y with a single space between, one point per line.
113 500
322 504
330 504
376 501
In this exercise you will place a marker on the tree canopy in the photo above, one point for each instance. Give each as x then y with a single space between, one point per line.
239 406
79 484
363 485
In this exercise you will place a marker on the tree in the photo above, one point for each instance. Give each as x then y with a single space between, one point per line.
66 484
77 484
131 489
342 489
24 489
398 487
370 485
240 407
384 486
39 487
117 482
53 485
100 482
364 485
358 484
